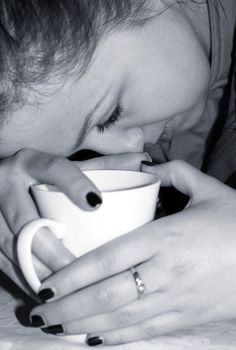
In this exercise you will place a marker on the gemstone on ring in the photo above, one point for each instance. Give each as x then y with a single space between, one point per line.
140 285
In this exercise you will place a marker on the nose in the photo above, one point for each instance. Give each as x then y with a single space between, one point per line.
117 141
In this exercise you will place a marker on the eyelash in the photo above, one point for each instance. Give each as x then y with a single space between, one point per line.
113 119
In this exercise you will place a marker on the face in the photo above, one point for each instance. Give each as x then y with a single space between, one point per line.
137 81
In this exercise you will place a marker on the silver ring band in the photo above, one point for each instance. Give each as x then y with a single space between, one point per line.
140 285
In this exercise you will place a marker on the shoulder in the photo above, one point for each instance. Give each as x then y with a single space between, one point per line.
225 12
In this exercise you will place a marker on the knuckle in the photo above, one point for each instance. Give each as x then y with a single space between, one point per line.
55 163
21 156
24 153
124 317
12 165
181 269
7 245
170 240
57 310
106 261
14 221
105 297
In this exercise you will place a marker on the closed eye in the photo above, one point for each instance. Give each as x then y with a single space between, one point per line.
113 119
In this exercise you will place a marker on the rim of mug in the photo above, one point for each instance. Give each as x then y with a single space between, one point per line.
154 180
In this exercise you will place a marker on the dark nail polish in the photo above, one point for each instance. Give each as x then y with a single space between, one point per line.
37 321
56 329
95 341
93 199
46 294
146 162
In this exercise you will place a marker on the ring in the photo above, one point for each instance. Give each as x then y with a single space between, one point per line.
140 285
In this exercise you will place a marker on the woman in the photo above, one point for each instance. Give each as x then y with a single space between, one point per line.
145 70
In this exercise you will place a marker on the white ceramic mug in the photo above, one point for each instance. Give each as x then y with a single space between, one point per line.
129 201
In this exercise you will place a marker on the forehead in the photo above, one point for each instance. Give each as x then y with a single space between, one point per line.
109 58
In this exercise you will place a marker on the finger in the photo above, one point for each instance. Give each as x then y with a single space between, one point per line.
107 260
138 311
17 206
114 257
29 166
186 179
7 240
157 152
51 251
10 268
66 176
105 296
8 249
18 209
160 325
9 263
124 161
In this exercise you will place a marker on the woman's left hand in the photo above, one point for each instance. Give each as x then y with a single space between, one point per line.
187 262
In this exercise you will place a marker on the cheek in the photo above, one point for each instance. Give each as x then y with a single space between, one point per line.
168 81
159 96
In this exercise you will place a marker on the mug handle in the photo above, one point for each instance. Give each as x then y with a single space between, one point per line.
24 247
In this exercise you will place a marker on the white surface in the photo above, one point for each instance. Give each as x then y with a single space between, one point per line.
13 336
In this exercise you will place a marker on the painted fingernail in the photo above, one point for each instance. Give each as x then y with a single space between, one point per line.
147 163
148 156
46 294
93 199
94 341
37 321
56 329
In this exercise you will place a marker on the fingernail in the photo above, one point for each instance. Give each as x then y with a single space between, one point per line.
37 321
94 341
56 329
93 199
46 294
147 163
148 156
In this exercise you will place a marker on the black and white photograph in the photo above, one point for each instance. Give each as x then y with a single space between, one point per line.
118 174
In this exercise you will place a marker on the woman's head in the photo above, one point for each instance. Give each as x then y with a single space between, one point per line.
61 59
43 39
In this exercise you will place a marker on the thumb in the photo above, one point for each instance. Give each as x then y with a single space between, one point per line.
186 179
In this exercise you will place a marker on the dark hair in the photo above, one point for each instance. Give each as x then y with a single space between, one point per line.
39 38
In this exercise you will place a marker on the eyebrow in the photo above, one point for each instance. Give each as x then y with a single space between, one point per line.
87 123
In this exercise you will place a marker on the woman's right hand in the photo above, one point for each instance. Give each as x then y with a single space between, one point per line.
27 167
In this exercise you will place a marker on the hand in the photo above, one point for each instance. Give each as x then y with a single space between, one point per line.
187 262
17 208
